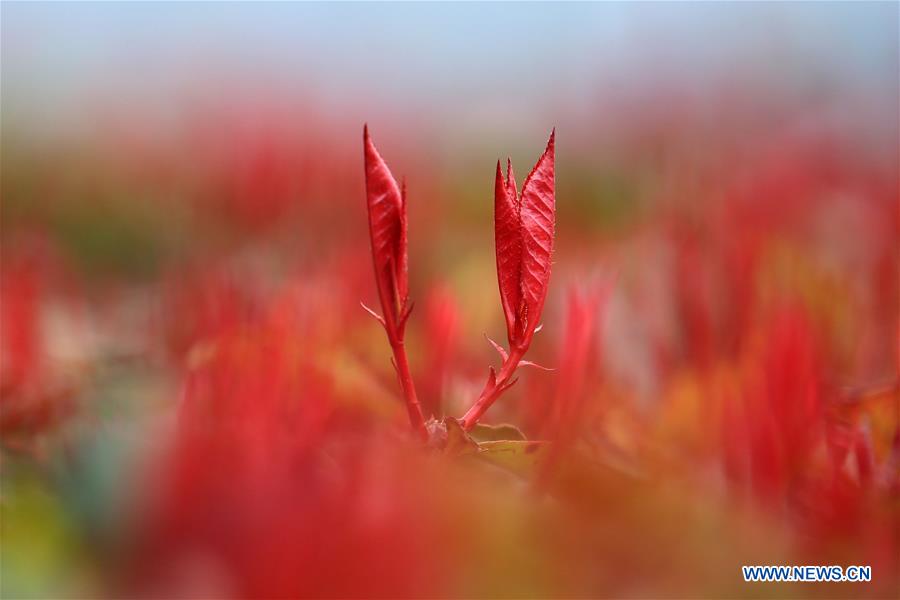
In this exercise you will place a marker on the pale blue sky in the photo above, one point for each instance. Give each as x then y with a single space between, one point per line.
442 58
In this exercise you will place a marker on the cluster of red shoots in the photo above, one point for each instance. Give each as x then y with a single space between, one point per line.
523 235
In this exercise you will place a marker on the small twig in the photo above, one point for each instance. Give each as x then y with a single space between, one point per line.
494 387
416 418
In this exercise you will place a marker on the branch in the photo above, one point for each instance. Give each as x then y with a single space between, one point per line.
416 418
494 387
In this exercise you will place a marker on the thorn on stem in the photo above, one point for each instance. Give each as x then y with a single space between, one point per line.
508 385
407 310
378 317
492 377
503 354
528 363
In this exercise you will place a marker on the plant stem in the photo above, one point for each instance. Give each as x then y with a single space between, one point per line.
491 392
416 418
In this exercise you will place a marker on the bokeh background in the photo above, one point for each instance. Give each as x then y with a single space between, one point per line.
194 404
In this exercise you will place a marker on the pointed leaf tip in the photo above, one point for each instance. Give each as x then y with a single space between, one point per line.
524 226
538 218
372 312
500 350
528 363
508 245
492 377
387 229
511 191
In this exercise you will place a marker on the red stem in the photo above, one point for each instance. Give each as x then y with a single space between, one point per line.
416 418
491 392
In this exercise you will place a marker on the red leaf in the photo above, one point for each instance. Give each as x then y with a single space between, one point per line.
403 258
538 212
523 232
387 228
508 244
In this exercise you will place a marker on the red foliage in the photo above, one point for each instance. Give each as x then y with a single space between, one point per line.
387 228
271 491
523 226
772 431
442 331
32 398
523 229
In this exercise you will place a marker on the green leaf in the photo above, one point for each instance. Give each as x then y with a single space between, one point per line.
519 456
493 433
504 446
458 441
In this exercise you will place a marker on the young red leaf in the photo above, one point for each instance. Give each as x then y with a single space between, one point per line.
508 245
387 228
523 234
402 262
523 237
538 217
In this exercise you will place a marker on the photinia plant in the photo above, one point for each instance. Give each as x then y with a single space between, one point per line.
523 239
387 228
523 230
